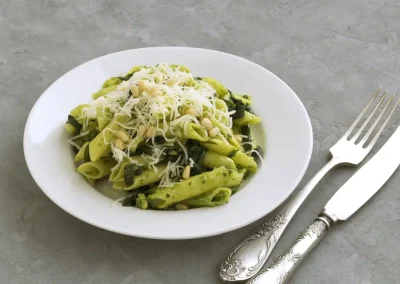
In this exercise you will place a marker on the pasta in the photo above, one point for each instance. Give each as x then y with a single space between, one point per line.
96 170
199 184
166 138
210 198
214 160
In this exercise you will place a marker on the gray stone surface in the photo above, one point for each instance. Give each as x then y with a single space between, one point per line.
332 53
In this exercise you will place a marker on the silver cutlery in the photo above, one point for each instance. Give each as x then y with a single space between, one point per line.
247 258
346 201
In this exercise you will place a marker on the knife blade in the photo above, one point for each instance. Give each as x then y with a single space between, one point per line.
346 201
366 182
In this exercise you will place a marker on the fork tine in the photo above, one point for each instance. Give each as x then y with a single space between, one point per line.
368 118
362 113
372 143
366 136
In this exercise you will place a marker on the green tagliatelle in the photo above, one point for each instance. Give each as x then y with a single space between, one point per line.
168 139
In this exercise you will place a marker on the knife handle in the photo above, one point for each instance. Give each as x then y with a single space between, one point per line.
246 259
281 270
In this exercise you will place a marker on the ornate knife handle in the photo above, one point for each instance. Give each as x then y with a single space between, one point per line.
247 258
281 270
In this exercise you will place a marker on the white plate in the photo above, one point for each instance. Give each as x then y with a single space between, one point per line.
285 134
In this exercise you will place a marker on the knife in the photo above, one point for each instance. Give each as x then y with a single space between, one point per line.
346 201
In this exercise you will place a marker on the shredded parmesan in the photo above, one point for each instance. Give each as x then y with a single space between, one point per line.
166 112
149 111
80 135
74 144
183 149
118 154
172 171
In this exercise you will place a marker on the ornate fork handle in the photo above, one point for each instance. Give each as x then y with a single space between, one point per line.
281 270
247 258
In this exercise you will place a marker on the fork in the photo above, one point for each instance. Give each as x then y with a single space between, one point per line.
247 258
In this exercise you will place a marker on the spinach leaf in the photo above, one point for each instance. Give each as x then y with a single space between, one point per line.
240 109
92 134
87 138
232 153
247 147
255 156
72 120
159 139
197 169
245 130
130 171
248 108
141 189
130 201
126 78
231 105
86 157
172 155
143 150
195 151
238 105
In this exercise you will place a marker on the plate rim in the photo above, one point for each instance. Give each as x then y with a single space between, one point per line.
183 236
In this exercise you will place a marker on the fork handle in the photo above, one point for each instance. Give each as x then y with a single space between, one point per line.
247 258
280 271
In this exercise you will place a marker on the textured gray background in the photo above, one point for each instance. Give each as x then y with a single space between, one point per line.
332 53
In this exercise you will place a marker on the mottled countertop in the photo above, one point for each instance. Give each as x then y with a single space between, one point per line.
334 54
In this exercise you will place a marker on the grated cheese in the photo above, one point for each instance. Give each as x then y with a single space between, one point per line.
183 149
163 112
80 135
118 154
171 171
74 144
147 110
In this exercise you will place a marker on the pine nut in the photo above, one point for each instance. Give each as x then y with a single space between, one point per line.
141 131
191 111
142 84
150 131
206 123
153 89
238 138
157 93
186 172
214 132
122 135
181 206
171 81
135 91
119 144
